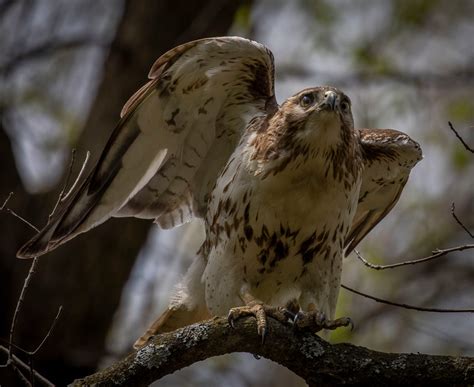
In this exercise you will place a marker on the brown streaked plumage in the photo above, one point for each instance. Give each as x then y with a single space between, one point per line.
389 156
284 190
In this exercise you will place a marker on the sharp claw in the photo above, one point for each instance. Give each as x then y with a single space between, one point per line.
264 335
289 315
230 320
297 317
350 323
295 321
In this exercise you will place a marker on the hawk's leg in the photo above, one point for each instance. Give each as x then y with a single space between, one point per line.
256 308
315 320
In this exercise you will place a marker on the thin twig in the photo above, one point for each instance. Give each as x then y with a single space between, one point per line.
468 148
27 279
31 369
15 359
26 367
78 177
22 376
16 346
21 298
48 48
66 183
406 306
459 221
12 359
40 345
11 212
436 254
6 201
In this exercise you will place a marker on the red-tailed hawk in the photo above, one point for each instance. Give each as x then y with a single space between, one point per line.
284 190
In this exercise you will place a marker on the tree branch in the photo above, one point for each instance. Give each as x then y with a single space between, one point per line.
46 49
312 358
437 253
406 306
458 221
467 147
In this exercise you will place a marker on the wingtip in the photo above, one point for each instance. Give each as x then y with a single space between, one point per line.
40 244
33 248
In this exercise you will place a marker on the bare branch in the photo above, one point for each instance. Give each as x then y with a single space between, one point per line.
21 298
19 303
53 324
459 222
436 254
6 201
11 212
406 306
460 75
22 376
306 354
26 367
468 148
49 47
31 272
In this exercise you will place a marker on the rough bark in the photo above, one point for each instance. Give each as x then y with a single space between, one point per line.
86 276
316 361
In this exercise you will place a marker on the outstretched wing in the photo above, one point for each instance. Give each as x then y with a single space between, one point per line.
389 156
174 136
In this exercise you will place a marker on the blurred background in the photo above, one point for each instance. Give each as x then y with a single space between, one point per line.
66 69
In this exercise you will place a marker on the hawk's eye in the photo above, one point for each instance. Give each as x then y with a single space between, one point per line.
345 105
307 100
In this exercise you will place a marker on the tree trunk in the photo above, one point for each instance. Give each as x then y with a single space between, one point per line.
86 275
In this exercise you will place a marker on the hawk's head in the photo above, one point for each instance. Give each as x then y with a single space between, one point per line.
314 119
319 114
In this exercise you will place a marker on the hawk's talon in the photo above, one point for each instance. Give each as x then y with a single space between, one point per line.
230 320
289 314
316 321
263 333
343 322
260 312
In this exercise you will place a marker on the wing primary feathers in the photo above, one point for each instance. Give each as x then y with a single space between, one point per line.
193 112
88 194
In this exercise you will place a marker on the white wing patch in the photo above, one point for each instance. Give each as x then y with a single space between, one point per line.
175 135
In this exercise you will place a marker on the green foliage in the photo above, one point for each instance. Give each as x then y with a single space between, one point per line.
342 335
462 109
413 13
323 11
242 17
366 57
459 157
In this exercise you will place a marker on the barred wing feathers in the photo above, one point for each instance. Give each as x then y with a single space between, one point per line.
175 135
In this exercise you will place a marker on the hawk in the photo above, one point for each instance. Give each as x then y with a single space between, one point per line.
285 191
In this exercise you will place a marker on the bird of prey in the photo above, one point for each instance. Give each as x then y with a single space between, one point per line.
285 191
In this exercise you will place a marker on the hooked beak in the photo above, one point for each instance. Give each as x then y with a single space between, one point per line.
331 101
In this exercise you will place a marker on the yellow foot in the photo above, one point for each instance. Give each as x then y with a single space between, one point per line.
315 321
260 312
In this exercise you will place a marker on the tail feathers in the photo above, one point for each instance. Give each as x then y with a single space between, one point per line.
173 318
